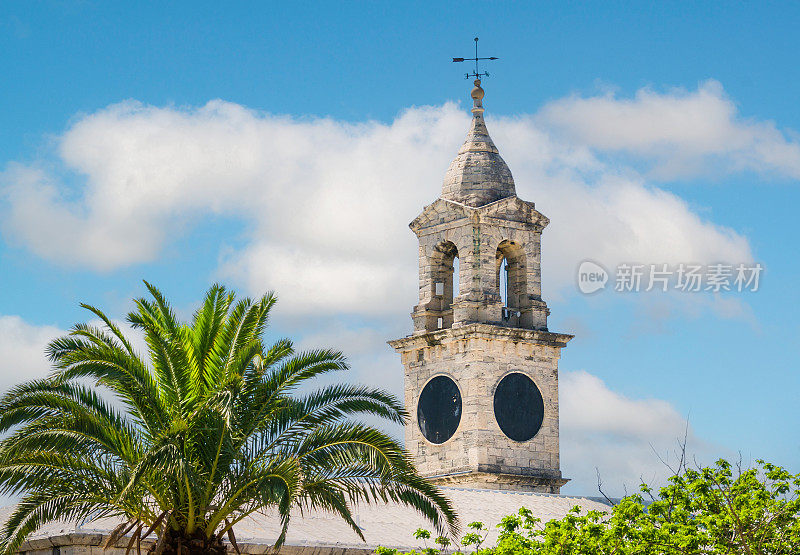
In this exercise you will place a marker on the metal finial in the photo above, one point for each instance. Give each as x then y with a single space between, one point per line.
476 74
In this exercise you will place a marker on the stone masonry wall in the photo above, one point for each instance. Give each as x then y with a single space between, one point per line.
92 544
477 357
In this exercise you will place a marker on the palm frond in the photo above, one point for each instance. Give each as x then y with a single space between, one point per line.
210 427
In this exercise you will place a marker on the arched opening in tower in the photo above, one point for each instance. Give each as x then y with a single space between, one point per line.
445 280
511 282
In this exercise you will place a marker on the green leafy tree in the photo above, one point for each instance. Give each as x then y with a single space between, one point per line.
207 429
443 542
718 509
705 510
476 537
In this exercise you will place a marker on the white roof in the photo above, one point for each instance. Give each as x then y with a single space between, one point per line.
386 525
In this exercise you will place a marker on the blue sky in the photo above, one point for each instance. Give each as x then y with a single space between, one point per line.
197 142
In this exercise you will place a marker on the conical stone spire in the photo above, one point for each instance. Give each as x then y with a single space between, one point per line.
478 175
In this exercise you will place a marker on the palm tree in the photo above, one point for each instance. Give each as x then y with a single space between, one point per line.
208 430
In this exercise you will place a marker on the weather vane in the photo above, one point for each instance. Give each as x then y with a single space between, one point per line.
476 74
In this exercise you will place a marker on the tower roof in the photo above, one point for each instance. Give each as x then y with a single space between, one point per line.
478 175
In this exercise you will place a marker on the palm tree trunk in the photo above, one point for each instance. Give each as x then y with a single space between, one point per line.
178 543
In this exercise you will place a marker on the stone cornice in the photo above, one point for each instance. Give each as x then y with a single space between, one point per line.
496 480
480 331
532 219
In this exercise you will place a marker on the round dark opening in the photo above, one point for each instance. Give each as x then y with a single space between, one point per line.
439 409
518 407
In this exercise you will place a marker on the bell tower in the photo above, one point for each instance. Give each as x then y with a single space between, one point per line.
481 367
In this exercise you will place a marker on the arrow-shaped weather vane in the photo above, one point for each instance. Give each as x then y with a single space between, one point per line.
476 74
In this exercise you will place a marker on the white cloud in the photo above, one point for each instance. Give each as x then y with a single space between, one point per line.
589 406
314 281
327 203
22 351
353 342
619 437
605 212
682 132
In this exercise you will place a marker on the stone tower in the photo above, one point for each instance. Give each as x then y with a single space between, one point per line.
481 367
